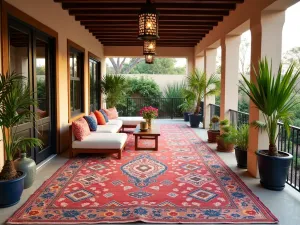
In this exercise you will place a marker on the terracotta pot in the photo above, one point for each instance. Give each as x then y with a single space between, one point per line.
224 147
212 136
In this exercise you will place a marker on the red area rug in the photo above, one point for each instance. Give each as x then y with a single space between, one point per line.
184 182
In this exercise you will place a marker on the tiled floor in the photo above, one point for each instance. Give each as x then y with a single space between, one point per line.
285 205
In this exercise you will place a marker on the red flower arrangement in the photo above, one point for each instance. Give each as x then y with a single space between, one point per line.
149 112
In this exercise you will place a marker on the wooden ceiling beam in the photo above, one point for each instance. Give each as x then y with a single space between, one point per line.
161 28
162 18
135 23
161 36
157 1
137 6
182 12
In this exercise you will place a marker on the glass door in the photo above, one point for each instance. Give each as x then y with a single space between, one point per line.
95 76
31 54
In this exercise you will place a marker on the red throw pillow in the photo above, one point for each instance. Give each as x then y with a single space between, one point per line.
112 113
100 118
94 117
80 129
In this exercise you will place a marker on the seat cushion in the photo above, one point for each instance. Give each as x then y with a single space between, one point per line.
107 129
131 121
80 129
100 118
101 141
91 122
116 122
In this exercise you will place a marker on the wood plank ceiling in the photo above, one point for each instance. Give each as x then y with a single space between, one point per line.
182 23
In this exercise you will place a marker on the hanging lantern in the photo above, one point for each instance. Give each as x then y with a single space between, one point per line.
149 47
149 59
148 22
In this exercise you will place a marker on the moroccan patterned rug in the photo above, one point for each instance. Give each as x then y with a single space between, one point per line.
183 182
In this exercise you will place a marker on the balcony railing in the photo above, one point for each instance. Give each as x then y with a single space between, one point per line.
214 110
167 107
238 118
291 145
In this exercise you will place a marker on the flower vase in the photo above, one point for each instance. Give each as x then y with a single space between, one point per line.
149 122
28 166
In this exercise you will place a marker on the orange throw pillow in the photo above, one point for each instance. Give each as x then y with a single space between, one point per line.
100 118
112 113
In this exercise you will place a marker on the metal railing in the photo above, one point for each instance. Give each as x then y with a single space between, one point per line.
238 118
167 107
291 145
214 110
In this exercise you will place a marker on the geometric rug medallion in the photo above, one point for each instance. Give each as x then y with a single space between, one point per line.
183 182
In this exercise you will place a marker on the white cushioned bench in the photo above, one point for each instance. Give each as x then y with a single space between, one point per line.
105 140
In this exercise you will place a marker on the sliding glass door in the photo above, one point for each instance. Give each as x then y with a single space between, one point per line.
31 53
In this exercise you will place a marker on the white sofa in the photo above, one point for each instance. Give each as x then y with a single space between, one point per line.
106 139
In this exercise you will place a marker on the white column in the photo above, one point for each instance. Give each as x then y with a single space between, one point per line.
266 41
229 75
209 68
200 63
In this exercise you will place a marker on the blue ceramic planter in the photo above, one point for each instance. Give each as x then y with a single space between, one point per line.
11 191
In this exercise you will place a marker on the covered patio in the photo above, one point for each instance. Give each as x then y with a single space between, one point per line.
71 40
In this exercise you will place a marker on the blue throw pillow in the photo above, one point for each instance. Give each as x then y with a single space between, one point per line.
91 122
104 114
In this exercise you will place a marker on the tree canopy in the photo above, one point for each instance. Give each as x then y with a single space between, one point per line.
138 66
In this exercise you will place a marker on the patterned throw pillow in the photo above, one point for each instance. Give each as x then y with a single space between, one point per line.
105 115
91 122
100 118
80 129
93 115
112 113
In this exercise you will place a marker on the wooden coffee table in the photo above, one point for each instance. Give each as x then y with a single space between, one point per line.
152 133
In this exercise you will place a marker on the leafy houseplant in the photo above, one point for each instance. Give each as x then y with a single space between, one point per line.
115 88
198 86
273 95
214 130
241 145
186 108
15 99
149 113
227 138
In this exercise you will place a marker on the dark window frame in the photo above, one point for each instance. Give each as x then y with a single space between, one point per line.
78 52
97 62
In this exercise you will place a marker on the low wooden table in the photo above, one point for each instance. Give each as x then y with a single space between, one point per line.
152 133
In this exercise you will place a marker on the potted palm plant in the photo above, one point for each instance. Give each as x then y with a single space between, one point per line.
274 96
198 86
115 88
214 130
186 108
241 145
16 100
227 138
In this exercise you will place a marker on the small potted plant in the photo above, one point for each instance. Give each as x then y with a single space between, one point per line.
227 138
199 86
15 99
241 145
214 130
186 108
149 113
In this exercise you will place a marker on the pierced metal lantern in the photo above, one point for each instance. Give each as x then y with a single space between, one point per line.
149 59
149 47
148 22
